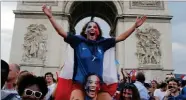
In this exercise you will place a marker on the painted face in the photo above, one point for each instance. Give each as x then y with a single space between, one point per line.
92 31
127 93
49 78
32 93
92 86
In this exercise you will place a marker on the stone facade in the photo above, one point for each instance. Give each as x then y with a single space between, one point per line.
38 48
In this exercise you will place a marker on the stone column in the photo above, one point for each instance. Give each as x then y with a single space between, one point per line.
120 47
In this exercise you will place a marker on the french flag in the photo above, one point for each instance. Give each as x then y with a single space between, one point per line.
64 86
133 74
183 77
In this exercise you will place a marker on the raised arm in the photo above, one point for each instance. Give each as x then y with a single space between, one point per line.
124 78
123 36
57 27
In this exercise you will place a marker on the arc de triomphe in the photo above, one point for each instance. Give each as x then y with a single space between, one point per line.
37 47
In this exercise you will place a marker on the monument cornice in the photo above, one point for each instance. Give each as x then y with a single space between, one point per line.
168 69
38 14
165 17
150 68
132 17
145 68
38 65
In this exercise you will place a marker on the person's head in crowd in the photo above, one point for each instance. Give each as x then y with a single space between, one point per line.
32 88
14 70
179 85
173 85
129 92
149 88
147 85
49 77
4 72
92 31
169 76
21 76
154 84
140 77
163 86
23 73
92 85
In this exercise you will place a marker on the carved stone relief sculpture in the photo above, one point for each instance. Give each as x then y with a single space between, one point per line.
151 5
35 44
39 3
148 46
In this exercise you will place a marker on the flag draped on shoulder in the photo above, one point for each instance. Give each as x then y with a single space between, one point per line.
64 86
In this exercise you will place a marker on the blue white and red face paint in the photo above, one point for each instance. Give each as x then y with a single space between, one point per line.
92 86
92 31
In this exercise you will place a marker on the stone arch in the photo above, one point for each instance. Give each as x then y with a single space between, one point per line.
68 5
107 10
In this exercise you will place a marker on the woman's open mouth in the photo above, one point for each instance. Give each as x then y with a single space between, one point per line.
92 34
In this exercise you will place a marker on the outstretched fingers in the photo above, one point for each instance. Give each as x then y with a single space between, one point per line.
144 18
44 6
137 18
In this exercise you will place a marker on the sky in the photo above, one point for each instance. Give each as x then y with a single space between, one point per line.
177 10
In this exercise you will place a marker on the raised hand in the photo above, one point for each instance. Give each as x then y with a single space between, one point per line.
140 21
47 10
168 92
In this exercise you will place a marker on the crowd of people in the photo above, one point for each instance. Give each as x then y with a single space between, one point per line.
23 85
88 81
168 89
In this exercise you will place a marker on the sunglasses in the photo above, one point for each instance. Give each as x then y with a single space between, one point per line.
29 92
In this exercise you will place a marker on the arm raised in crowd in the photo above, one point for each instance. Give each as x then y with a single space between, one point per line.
57 27
123 36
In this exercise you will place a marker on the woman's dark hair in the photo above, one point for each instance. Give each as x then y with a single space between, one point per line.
135 93
21 76
84 29
30 80
49 73
147 85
